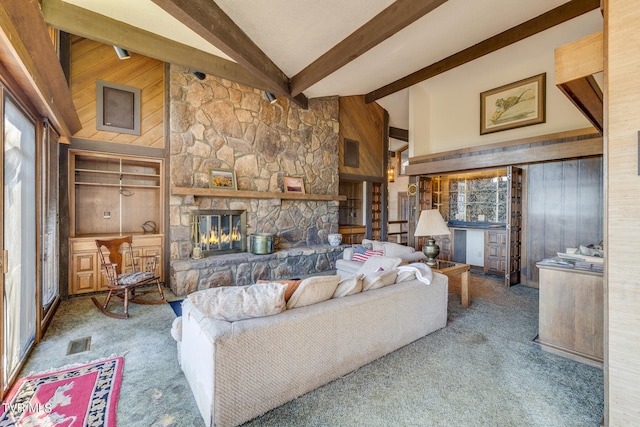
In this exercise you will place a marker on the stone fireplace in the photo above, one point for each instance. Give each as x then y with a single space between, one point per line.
220 124
219 231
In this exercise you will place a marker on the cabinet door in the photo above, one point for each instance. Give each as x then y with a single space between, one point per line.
495 252
84 273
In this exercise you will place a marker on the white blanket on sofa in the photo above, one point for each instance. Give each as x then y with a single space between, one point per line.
421 270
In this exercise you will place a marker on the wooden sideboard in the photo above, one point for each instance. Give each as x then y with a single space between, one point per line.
571 313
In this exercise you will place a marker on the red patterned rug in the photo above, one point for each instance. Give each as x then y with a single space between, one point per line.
84 395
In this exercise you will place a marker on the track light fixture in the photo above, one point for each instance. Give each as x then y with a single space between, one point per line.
200 75
122 53
271 97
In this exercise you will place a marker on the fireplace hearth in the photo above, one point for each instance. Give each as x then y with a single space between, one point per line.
219 231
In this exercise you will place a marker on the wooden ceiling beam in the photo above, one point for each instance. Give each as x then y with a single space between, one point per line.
399 134
560 14
206 19
27 52
394 18
90 25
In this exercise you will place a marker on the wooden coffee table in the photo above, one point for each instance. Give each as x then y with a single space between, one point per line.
450 267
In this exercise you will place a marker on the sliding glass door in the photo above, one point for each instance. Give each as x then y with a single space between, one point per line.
18 236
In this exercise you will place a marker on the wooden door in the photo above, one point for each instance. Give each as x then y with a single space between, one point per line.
514 226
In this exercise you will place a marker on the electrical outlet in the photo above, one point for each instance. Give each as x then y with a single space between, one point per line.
106 215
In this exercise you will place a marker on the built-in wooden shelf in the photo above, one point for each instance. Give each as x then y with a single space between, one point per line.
242 194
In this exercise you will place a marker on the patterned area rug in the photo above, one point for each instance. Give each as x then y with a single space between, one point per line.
84 395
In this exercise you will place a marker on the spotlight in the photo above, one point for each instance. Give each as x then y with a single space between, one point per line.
271 97
198 74
122 53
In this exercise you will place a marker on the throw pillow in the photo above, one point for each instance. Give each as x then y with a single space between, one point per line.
349 286
233 303
359 249
291 285
376 262
378 246
366 255
379 279
313 290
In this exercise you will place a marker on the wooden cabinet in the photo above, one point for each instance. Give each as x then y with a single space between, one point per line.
495 252
571 314
490 200
86 275
112 196
352 234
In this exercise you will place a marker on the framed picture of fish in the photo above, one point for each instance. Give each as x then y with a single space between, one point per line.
511 106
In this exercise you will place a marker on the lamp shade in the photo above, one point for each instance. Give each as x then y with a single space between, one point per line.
431 224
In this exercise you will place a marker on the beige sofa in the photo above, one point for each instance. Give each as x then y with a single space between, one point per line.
346 266
240 370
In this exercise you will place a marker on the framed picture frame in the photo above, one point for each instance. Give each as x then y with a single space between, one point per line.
293 184
515 105
223 179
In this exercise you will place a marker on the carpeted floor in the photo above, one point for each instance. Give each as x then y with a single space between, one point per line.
481 370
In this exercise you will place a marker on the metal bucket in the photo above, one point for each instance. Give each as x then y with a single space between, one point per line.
261 243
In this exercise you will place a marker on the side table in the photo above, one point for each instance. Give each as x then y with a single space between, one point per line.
449 267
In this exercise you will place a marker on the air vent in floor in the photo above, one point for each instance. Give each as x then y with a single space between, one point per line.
79 345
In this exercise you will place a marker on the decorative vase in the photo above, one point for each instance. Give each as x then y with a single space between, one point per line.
335 239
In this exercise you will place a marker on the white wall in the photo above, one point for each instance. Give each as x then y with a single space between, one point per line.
445 110
475 247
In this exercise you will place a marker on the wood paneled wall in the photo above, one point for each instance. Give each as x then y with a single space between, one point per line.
564 208
622 269
363 123
91 61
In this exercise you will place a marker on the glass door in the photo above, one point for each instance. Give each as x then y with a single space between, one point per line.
18 236
49 226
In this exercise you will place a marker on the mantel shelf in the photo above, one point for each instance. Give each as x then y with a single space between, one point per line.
241 194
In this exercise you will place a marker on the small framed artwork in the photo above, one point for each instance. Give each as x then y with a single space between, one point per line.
293 184
222 178
511 106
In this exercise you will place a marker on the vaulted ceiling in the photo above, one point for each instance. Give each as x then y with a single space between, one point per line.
307 48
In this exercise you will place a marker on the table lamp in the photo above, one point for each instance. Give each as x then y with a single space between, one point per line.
431 224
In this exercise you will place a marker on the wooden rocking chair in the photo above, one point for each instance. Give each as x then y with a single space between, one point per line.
123 284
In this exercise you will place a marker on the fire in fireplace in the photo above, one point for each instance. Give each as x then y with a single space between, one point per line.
219 231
